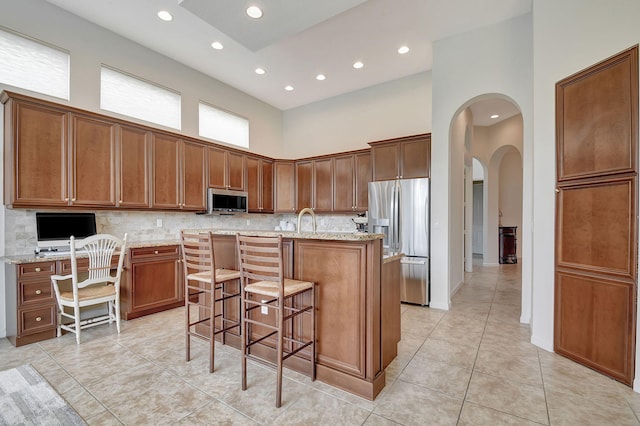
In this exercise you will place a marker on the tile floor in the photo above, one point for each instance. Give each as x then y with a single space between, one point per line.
472 365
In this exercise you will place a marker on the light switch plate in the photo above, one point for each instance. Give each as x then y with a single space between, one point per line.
263 309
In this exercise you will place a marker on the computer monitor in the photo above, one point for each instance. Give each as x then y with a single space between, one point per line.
56 229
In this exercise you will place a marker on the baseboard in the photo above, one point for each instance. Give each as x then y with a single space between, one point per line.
456 288
490 264
443 306
524 320
543 344
636 384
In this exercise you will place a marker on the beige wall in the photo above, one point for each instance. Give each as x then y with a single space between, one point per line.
343 123
510 200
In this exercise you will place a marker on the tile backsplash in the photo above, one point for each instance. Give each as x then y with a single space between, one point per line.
20 225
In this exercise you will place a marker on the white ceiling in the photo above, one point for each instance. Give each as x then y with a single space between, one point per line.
297 39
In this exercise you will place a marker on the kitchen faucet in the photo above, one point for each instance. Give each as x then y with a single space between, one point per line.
313 218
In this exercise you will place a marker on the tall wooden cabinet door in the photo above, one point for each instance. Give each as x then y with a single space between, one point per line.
285 187
93 162
253 185
323 185
166 172
193 177
133 157
304 184
596 216
267 185
40 153
217 167
386 161
343 190
235 171
415 158
363 175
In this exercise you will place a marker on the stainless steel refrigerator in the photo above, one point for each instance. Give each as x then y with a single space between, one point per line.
399 209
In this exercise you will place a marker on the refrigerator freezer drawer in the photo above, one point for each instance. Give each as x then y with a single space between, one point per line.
415 280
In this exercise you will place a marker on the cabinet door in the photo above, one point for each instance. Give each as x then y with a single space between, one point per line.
235 171
217 167
253 185
93 162
39 155
266 184
363 175
155 283
166 172
343 200
133 157
323 185
285 196
414 157
193 177
304 184
386 160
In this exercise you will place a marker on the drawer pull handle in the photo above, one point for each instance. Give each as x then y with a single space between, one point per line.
38 319
38 291
155 252
38 269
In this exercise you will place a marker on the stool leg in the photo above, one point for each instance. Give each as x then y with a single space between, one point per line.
313 333
212 327
187 321
243 332
280 342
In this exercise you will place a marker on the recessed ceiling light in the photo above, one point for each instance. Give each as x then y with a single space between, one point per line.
254 12
165 16
217 45
495 116
260 71
358 65
288 88
320 77
403 49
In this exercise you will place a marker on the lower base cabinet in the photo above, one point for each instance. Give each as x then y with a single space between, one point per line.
153 283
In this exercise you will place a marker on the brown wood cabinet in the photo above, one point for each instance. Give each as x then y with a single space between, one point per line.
390 311
352 174
226 169
154 281
285 186
259 185
314 184
30 302
402 158
178 174
134 150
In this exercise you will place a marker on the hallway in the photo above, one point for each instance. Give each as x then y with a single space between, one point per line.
472 365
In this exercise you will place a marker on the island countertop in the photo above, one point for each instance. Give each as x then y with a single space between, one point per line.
334 236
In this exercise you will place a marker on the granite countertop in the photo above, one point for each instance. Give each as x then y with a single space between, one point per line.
387 258
335 236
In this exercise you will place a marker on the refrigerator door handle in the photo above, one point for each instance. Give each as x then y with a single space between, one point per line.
413 261
398 203
392 220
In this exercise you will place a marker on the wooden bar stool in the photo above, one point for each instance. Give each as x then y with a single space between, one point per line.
206 290
265 289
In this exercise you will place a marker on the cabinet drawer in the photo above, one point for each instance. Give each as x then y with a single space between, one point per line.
150 252
38 292
40 269
36 320
83 264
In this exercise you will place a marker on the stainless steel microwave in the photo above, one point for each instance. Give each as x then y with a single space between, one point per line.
225 200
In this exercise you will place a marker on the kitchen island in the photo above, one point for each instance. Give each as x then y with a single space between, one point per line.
346 268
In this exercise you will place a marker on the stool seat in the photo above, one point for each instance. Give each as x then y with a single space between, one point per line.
221 275
270 288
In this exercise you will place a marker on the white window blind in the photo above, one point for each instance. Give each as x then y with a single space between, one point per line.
223 126
134 97
34 66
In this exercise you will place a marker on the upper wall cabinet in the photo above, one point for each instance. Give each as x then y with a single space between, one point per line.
352 174
178 174
285 186
259 185
134 150
58 158
402 158
314 184
226 169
